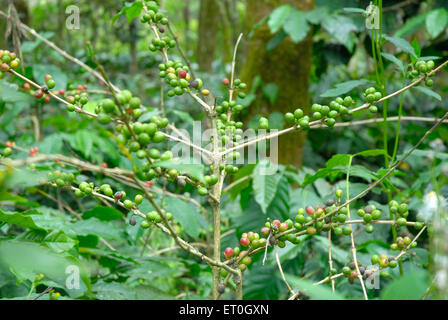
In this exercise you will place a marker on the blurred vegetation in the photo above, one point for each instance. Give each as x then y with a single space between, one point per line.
290 57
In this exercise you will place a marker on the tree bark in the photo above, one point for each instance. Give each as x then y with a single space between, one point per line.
288 66
208 26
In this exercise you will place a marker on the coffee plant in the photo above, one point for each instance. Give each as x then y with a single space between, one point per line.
80 200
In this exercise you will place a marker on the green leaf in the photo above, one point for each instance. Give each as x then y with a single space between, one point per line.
355 10
371 153
296 26
411 286
187 215
317 292
28 259
192 169
401 44
93 226
271 92
9 93
56 240
278 17
103 213
131 10
265 186
429 92
394 59
436 22
344 87
338 160
316 15
411 25
275 41
19 219
417 49
342 28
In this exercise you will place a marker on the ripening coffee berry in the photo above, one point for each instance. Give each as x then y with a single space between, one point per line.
138 199
309 210
228 253
339 193
244 241
265 231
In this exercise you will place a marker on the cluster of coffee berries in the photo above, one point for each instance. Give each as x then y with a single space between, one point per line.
327 114
372 96
155 217
177 76
350 272
239 86
155 18
9 61
33 151
231 255
400 212
61 179
384 261
402 243
369 213
422 68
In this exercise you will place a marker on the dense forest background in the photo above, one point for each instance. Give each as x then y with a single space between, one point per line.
292 54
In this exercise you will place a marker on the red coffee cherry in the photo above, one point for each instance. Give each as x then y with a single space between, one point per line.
309 210
228 253
182 74
225 81
26 86
244 242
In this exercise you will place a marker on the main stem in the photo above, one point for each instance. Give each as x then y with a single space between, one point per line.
216 209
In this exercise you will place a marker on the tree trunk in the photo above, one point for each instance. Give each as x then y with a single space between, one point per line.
208 26
288 66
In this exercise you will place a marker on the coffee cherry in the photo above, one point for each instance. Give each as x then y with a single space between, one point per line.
244 242
128 204
289 117
369 228
309 210
298 113
7 152
346 231
132 221
263 123
376 214
228 253
429 82
221 288
138 199
375 259
202 191
283 227
339 193
145 224
401 222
